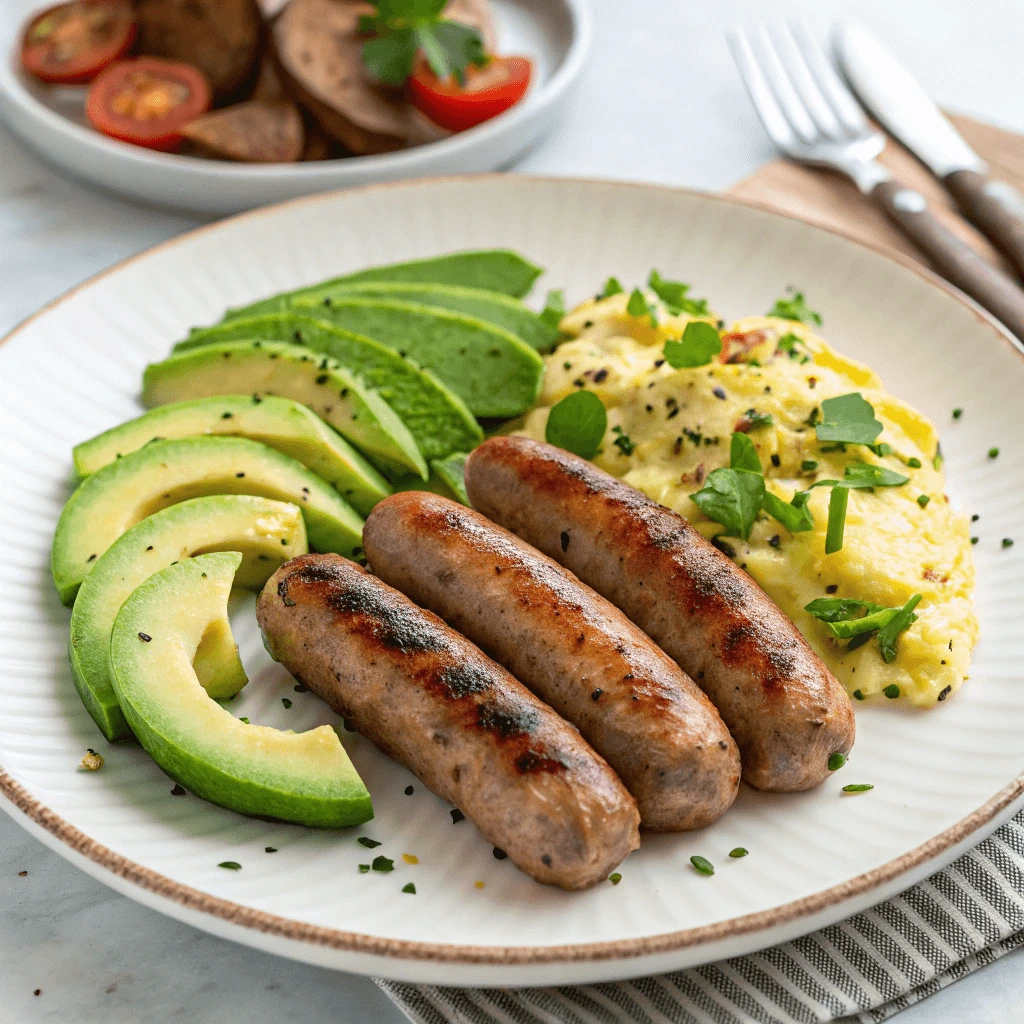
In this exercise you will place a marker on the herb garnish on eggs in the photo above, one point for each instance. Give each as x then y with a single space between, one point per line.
793 452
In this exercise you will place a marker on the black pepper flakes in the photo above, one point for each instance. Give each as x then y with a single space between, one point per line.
945 693
145 637
831 588
596 695
499 854
776 461
409 790
719 393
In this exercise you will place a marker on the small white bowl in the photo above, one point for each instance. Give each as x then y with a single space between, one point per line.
555 34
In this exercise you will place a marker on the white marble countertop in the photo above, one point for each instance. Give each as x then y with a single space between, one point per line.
661 102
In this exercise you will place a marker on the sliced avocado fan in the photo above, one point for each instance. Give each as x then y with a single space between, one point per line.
261 368
495 270
279 422
438 419
491 370
266 533
123 493
301 777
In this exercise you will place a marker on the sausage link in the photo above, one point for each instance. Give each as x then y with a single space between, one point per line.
570 646
787 712
435 703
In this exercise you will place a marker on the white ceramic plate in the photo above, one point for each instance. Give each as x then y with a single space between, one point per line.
555 34
943 778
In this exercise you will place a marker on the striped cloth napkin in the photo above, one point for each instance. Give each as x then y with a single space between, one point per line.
863 970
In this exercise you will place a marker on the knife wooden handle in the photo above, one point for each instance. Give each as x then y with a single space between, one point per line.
956 261
971 191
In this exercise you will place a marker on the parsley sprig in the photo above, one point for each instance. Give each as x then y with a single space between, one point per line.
577 423
794 307
401 28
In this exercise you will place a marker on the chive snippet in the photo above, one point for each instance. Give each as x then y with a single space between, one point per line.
615 878
409 888
367 842
837 502
836 760
892 691
993 453
738 851
231 865
702 864
858 787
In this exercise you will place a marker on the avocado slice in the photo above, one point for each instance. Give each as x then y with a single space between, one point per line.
264 368
438 420
490 369
493 307
279 422
266 533
301 777
164 473
495 270
452 471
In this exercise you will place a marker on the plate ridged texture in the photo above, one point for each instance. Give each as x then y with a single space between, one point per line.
75 370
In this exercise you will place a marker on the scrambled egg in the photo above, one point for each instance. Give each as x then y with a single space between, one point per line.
678 425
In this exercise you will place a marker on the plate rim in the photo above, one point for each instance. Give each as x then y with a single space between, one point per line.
265 922
328 171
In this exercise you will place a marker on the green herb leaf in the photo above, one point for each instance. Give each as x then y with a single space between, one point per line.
699 344
367 842
382 864
733 498
363 868
743 454
787 343
858 787
554 309
452 470
836 761
623 441
639 306
409 887
577 423
286 702
863 474
795 308
231 865
615 878
389 58
795 516
738 851
850 628
923 499
673 295
902 620
848 419
758 419
837 502
703 865
611 287
450 47
840 609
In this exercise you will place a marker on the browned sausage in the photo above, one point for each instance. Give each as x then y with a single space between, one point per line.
576 651
434 702
787 712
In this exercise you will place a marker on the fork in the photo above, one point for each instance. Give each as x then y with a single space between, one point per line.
810 114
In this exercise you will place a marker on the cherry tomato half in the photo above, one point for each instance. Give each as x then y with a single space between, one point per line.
71 43
147 101
486 92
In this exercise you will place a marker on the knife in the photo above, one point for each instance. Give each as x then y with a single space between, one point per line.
896 99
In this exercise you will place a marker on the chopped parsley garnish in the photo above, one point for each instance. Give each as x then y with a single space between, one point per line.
795 515
957 413
554 309
367 842
230 865
809 465
733 498
787 343
702 864
887 635
795 308
743 454
382 864
758 419
364 868
923 499
615 878
673 295
404 27
863 474
286 702
577 423
837 502
892 691
881 449
993 453
738 851
245 720
914 463
270 849
1007 542
699 344
848 419
639 306
836 761
623 441
858 787
611 287
409 888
